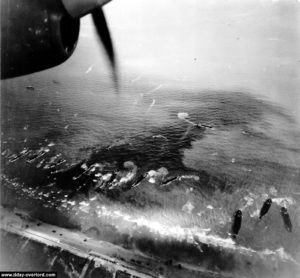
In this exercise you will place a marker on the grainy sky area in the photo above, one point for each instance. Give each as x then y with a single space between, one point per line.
224 45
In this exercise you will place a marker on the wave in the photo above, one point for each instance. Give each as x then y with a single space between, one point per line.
284 201
193 236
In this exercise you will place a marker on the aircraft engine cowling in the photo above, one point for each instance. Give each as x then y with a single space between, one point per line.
35 35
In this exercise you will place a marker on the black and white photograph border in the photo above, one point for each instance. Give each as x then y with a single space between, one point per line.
150 139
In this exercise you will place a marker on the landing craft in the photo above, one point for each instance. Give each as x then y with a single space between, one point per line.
50 31
265 208
169 180
203 126
286 219
236 225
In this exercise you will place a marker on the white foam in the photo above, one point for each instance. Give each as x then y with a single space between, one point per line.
106 177
84 166
85 209
152 173
51 144
188 207
255 213
24 151
279 253
182 115
159 136
83 203
193 235
127 178
161 172
196 178
284 201
249 202
273 191
200 213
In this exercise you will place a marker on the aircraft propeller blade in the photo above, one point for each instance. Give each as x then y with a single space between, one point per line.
104 36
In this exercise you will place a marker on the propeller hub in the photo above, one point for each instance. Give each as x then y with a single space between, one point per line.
79 8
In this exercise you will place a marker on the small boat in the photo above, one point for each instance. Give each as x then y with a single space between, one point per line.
29 87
